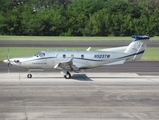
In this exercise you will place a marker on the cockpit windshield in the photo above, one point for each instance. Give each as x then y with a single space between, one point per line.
37 54
40 54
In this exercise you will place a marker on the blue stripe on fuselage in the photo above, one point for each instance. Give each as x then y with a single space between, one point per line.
90 59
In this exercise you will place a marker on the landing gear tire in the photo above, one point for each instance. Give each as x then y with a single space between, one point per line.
68 76
29 75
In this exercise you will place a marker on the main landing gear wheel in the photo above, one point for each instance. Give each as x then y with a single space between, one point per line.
68 76
29 75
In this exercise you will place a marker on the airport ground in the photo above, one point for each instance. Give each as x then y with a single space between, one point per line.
87 96
122 92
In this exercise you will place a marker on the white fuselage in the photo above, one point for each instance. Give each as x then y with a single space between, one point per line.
82 59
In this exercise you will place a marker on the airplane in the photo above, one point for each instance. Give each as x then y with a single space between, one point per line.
75 61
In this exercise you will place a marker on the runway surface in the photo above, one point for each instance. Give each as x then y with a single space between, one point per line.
46 43
135 66
88 96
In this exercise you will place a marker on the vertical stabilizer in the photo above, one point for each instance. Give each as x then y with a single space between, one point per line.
138 46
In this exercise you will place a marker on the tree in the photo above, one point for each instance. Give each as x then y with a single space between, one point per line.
79 17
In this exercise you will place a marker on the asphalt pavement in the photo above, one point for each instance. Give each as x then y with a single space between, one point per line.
89 96
45 43
135 66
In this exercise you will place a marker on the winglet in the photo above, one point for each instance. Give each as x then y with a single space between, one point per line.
56 66
71 58
88 49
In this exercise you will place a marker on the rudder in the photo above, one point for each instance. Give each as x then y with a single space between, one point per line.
138 46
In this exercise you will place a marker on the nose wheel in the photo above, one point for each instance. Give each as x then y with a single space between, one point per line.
29 75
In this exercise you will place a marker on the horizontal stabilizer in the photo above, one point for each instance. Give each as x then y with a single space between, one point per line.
115 63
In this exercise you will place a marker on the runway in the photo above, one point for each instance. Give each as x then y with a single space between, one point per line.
87 96
47 43
135 66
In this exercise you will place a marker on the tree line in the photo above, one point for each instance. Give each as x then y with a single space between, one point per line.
79 17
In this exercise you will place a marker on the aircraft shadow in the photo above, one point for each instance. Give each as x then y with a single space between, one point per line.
81 77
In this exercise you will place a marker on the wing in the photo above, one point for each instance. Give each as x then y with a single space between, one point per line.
67 65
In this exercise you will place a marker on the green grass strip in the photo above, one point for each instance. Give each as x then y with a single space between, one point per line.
61 38
151 53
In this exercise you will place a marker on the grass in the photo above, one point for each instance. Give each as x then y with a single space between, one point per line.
151 53
61 38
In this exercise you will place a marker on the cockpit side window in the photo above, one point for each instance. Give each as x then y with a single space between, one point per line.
40 54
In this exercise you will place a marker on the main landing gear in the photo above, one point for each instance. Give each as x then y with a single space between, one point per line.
68 75
29 75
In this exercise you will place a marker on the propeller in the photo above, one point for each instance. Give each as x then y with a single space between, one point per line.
9 64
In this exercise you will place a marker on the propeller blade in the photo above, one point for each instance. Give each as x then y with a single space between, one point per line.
8 60
8 67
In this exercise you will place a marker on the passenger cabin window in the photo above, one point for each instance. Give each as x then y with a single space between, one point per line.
64 56
82 56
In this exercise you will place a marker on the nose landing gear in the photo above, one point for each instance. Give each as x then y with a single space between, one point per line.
29 75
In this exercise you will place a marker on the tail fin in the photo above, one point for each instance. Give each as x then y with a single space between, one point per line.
138 46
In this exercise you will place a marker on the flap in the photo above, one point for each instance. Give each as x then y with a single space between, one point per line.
67 65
